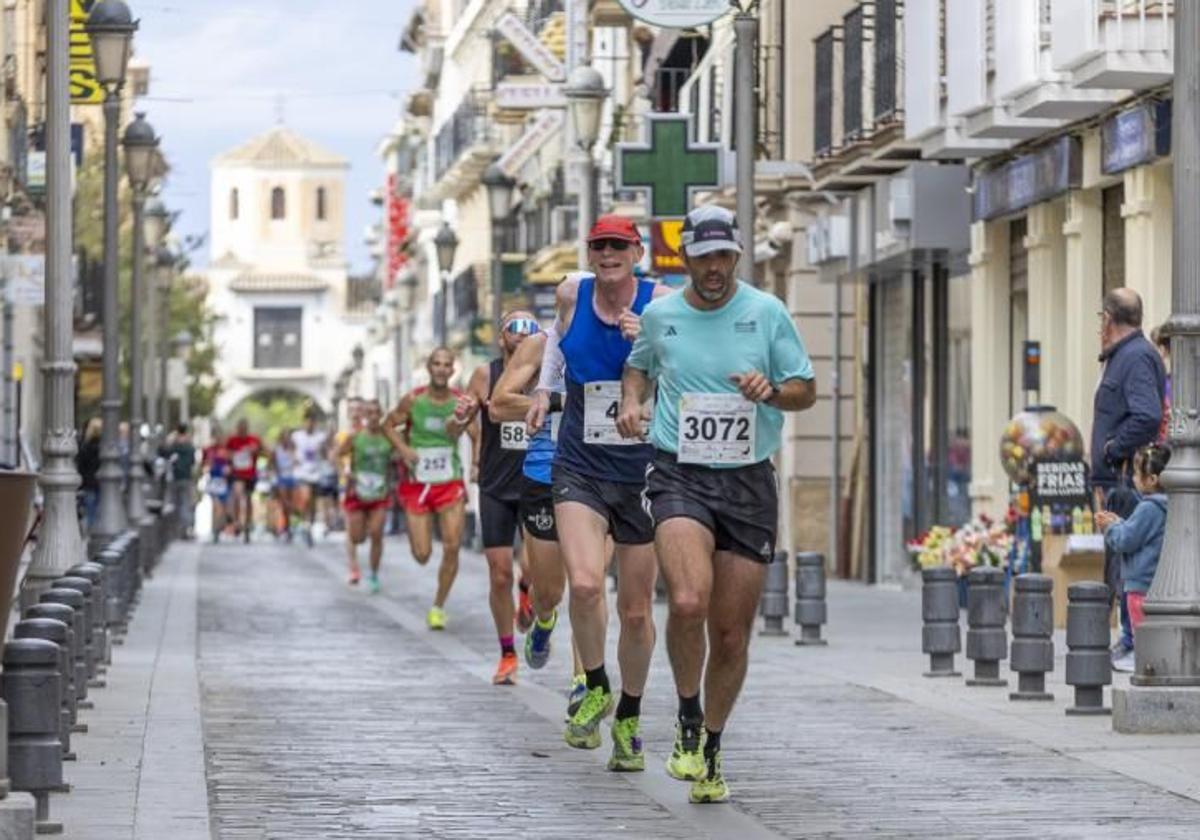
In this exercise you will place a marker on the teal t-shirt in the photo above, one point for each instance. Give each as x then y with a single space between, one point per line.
695 351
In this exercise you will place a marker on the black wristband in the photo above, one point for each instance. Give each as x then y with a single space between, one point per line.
556 403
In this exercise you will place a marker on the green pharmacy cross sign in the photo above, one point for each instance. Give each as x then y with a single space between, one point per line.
671 166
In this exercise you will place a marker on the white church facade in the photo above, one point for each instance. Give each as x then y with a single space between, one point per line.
278 276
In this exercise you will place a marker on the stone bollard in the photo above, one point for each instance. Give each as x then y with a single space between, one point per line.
773 604
113 558
1033 636
1089 666
65 616
30 685
987 643
940 636
91 645
98 575
74 600
53 630
810 597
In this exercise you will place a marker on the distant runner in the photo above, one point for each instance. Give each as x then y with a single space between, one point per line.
310 457
244 449
367 491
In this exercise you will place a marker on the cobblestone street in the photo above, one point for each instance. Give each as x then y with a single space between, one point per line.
330 713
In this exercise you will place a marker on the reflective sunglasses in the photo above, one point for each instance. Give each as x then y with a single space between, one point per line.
522 326
611 244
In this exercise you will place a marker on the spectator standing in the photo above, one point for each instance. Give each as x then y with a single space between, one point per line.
88 463
182 456
1128 413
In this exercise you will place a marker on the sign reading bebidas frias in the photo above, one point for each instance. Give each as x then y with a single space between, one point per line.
1060 483
676 13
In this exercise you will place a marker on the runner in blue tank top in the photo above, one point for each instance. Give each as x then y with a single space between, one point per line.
598 478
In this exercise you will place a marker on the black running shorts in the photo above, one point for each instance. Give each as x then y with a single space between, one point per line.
498 518
537 510
739 505
620 504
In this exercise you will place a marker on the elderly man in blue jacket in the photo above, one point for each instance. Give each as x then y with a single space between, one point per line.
1127 416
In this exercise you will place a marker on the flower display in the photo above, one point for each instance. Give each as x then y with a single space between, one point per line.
981 542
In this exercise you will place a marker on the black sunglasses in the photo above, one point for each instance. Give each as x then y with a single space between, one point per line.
611 244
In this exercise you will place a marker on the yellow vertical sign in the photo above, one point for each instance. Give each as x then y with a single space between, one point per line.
85 87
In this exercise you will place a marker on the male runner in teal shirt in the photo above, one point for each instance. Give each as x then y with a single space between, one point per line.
727 361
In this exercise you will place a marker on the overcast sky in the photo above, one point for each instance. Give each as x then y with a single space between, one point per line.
219 69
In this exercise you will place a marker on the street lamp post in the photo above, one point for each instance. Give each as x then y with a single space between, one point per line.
156 221
1165 691
166 276
500 187
446 244
139 143
585 101
181 343
745 28
59 545
110 27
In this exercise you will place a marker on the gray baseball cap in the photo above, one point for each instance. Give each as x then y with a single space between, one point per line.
708 229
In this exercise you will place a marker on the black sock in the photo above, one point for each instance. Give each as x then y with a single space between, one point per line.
712 743
597 678
628 706
689 709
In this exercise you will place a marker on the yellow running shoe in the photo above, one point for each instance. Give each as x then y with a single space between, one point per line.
627 755
436 618
712 787
583 729
687 757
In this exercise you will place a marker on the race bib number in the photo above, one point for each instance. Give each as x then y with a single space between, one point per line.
513 436
716 429
601 402
217 487
243 460
370 486
435 465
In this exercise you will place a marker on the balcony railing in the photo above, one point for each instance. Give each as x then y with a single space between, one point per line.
887 60
468 126
853 79
540 12
823 94
1113 43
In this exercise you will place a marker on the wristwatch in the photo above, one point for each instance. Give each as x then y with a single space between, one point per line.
775 392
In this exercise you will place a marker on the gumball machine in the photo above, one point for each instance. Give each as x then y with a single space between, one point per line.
1039 434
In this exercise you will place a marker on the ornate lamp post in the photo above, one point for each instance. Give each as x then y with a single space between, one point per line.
139 143
110 27
446 244
181 343
167 261
500 188
585 103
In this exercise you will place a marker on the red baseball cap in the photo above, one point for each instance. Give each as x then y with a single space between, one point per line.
613 226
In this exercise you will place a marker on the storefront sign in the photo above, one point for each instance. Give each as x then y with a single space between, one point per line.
527 145
531 47
527 97
676 13
1029 179
671 166
666 238
398 216
1135 136
1062 484
85 87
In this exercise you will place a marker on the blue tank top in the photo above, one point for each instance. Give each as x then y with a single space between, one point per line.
596 352
540 455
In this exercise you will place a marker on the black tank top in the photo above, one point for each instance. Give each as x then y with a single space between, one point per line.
500 469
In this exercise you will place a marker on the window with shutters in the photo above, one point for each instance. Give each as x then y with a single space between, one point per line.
823 95
886 60
277 337
278 204
233 204
852 74
321 201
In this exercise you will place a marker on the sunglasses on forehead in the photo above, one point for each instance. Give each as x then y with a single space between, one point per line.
522 326
611 244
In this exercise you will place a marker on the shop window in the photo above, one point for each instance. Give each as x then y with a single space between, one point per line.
278 203
1113 235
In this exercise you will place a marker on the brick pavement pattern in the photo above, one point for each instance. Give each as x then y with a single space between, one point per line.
330 713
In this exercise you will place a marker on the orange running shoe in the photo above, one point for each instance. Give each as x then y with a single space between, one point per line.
524 611
355 577
506 671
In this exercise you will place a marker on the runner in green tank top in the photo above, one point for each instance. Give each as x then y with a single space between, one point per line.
424 427
366 501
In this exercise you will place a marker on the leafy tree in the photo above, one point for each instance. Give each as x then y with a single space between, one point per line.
270 413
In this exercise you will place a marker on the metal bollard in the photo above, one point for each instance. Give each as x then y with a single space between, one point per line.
98 575
74 600
91 647
773 604
810 597
987 643
53 630
65 616
30 685
1033 636
940 636
1089 666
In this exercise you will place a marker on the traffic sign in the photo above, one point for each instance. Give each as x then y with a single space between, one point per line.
670 166
676 14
